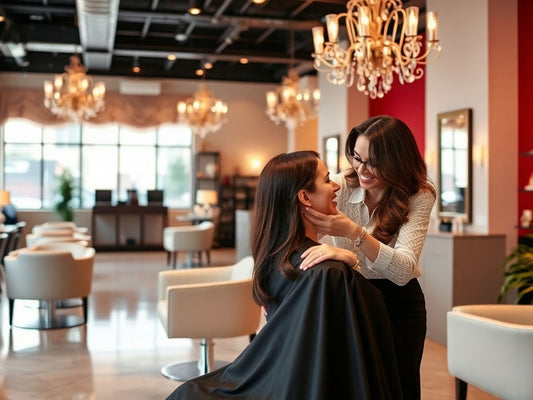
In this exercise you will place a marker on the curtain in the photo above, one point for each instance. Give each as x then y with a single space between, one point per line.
133 110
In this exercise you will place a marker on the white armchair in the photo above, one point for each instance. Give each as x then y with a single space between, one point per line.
49 275
55 235
191 239
204 304
491 346
54 225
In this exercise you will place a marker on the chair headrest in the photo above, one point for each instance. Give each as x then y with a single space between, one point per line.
243 269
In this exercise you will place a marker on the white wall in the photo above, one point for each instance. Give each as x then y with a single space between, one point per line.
465 76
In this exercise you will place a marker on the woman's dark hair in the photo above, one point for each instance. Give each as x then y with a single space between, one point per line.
398 164
277 225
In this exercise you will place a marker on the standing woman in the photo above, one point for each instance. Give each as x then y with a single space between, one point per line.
327 335
384 206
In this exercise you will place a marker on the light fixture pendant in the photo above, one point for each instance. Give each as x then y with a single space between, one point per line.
383 40
204 113
194 7
290 103
72 95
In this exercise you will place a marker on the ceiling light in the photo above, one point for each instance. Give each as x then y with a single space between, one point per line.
208 65
72 95
244 60
199 72
171 57
291 104
258 1
135 68
383 39
194 7
203 112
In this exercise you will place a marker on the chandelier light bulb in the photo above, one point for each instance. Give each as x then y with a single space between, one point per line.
382 41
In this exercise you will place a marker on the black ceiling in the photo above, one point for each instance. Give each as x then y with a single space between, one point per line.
113 35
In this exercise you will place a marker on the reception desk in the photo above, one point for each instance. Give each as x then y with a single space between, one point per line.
128 227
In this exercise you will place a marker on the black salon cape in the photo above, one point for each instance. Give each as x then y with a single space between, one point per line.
327 337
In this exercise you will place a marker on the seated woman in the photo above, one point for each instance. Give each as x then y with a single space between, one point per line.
327 335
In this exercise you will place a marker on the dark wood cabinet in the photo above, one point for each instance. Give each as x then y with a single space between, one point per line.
128 227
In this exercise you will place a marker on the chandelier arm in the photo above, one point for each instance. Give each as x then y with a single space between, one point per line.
395 16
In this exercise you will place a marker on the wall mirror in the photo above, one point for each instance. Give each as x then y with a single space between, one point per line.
331 149
455 164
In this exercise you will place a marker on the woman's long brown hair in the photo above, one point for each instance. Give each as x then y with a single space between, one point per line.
399 165
277 225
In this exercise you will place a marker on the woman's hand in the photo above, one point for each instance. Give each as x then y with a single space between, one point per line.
334 225
317 254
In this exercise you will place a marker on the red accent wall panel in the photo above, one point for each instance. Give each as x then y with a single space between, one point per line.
408 103
525 104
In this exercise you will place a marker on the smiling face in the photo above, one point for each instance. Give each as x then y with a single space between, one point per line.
364 168
322 198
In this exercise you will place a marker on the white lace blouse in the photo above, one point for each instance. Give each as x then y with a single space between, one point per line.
399 260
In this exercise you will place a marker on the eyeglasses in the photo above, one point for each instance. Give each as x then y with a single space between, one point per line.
357 162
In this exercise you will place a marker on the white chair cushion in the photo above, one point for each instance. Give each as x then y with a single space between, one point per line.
491 347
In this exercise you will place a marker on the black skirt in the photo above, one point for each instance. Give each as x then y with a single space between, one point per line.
407 312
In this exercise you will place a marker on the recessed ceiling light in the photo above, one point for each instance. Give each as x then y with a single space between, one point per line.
136 69
171 57
258 1
199 72
244 60
180 37
208 65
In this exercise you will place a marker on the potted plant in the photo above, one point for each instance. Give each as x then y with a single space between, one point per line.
518 272
65 191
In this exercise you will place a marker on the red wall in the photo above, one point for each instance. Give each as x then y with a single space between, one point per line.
408 103
525 103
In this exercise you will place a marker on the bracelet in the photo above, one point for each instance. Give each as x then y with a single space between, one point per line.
357 242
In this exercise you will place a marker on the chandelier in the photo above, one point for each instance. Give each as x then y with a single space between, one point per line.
204 113
72 95
383 39
291 104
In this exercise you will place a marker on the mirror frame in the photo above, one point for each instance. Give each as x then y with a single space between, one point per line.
462 118
332 158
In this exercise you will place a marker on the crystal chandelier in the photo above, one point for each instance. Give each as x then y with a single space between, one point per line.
72 95
204 113
291 104
383 39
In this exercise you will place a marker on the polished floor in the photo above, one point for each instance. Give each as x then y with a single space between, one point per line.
118 354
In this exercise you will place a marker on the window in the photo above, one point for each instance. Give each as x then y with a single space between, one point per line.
112 157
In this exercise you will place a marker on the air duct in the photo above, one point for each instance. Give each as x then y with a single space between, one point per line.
97 24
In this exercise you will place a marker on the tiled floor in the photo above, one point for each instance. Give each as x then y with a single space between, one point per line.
119 353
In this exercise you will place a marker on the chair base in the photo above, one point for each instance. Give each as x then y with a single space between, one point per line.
184 371
56 322
43 316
